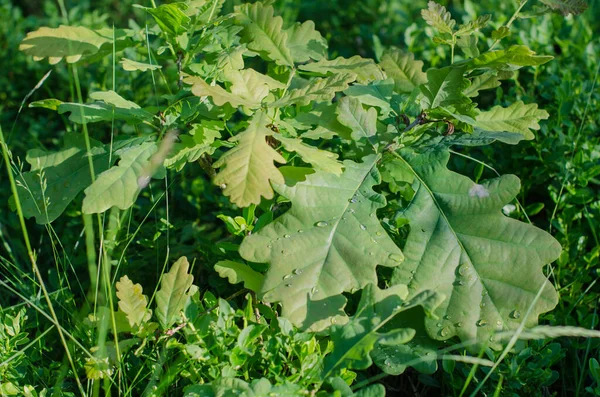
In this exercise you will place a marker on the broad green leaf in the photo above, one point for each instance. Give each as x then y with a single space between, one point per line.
248 167
364 69
191 148
119 186
263 32
354 341
437 16
69 42
305 42
461 245
512 58
518 118
218 94
486 81
171 18
229 387
250 85
567 7
237 272
363 123
175 289
131 65
378 93
132 302
56 178
114 106
402 67
319 159
445 88
330 241
319 89
324 116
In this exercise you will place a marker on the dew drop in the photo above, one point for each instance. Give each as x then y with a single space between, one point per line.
484 292
352 200
459 283
363 227
321 224
371 253
515 314
482 304
314 290
372 215
481 323
286 236
439 325
387 362
396 258
463 269
444 332
378 234
300 231
288 276
499 323
333 320
458 325
413 272
351 210
223 186
297 271
446 317
288 285
269 246
492 338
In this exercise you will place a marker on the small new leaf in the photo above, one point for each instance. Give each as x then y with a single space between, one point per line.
132 302
437 16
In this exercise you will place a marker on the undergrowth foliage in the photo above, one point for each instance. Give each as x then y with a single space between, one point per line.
339 168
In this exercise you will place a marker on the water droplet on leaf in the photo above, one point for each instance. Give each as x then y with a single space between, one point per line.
363 227
515 314
481 323
321 224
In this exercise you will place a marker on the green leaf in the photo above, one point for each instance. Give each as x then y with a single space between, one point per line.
445 88
513 58
305 42
486 81
250 85
191 148
171 18
354 341
263 32
175 289
119 186
50 103
56 178
364 69
249 166
324 116
402 67
518 118
218 94
319 159
437 16
131 65
567 7
378 93
69 42
472 26
461 245
132 302
330 241
236 272
114 106
319 89
363 123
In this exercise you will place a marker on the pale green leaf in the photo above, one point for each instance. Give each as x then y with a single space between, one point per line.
472 26
488 266
119 186
191 148
365 70
353 115
319 89
512 58
402 67
131 65
111 106
330 241
248 167
218 94
132 302
437 16
50 103
445 88
305 42
378 93
567 7
250 85
264 32
69 42
518 118
175 288
319 159
56 178
324 116
237 272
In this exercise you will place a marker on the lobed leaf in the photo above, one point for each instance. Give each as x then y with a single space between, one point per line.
306 43
175 289
132 302
461 245
319 89
437 16
218 94
351 114
518 118
402 67
365 70
330 241
131 65
248 167
236 272
445 88
319 159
